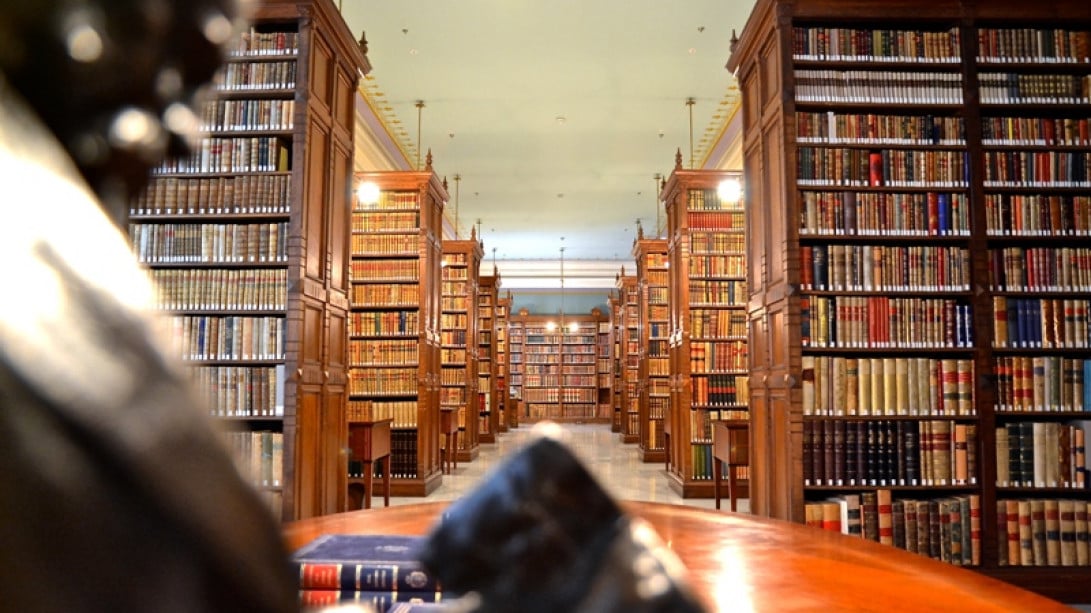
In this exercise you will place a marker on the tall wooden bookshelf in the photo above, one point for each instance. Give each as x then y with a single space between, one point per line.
247 241
516 366
458 348
507 416
629 347
654 369
617 373
943 251
560 357
394 333
708 342
604 373
487 364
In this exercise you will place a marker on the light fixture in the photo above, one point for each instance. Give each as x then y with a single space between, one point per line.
729 190
551 326
690 102
420 107
367 193
658 224
458 180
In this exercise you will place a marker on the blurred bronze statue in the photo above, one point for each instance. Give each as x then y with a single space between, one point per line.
116 492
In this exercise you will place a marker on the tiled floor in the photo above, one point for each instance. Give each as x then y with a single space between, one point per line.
617 466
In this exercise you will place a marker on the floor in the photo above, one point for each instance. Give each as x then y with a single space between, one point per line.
617 466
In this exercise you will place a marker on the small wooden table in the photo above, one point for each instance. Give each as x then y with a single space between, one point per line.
369 442
731 446
739 562
448 429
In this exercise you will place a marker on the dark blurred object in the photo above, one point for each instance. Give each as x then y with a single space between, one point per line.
116 491
541 535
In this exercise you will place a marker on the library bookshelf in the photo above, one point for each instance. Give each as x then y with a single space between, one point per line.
708 339
488 289
653 289
458 346
516 339
507 416
253 265
918 183
560 357
629 347
604 372
394 333
616 391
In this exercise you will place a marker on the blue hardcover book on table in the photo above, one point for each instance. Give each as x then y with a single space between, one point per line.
363 562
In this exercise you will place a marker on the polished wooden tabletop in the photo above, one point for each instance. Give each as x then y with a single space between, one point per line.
739 562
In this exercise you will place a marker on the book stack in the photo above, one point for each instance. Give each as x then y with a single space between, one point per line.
375 571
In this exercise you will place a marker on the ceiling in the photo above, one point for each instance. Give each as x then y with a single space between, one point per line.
557 115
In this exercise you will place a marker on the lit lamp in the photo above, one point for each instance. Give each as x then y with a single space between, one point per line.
729 190
367 193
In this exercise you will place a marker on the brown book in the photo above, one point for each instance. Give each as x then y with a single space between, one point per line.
1026 534
1015 532
1001 533
910 518
1038 532
869 515
1083 549
974 502
1067 523
1052 513
961 451
885 514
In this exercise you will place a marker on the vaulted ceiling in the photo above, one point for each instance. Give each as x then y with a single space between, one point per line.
556 116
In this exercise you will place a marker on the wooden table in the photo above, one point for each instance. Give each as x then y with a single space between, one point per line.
731 446
448 429
369 442
744 563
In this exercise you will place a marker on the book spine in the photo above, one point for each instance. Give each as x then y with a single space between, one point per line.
365 576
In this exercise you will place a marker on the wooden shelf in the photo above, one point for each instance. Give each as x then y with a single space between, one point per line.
253 229
653 286
958 215
458 330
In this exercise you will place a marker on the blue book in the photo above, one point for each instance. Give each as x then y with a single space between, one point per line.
363 562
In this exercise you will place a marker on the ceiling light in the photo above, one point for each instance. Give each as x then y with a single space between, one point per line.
367 192
729 190
561 119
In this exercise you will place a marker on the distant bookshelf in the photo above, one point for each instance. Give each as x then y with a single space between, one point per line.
653 284
459 352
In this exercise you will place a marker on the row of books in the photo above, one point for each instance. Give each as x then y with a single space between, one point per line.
855 452
256 77
1044 131
255 43
452 376
389 200
1032 45
1041 454
1047 383
718 292
569 410
873 45
587 393
1042 532
402 413
453 337
384 323
385 270
230 155
454 303
716 323
247 115
724 265
384 244
711 391
226 195
849 166
1044 269
870 128
259 456
386 351
707 228
878 86
228 337
241 391
1037 215
884 322
886 386
1022 88
1032 323
946 529
717 356
385 295
218 289
1037 169
383 381
839 267
385 220
169 243
853 213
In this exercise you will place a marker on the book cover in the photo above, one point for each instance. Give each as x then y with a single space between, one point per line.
385 601
363 562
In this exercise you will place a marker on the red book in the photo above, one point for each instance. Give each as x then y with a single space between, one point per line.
875 167
886 516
